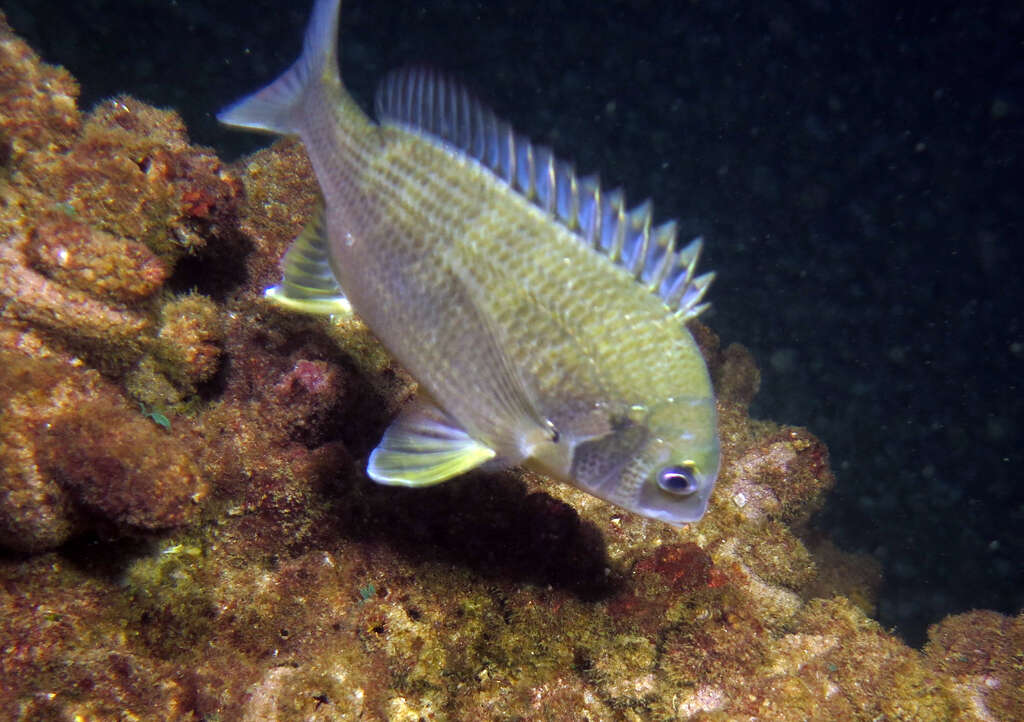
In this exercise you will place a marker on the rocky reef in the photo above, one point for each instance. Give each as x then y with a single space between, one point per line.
188 533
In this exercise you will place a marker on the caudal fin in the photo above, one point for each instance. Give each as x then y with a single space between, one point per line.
277 107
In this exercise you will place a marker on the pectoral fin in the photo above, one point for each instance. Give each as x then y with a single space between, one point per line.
308 283
424 446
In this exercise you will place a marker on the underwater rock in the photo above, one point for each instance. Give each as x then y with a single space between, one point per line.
96 215
188 342
76 452
70 654
75 255
982 652
81 320
38 102
281 192
131 172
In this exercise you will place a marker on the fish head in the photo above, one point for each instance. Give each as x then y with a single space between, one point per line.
661 463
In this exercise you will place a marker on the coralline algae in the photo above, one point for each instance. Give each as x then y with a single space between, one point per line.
235 564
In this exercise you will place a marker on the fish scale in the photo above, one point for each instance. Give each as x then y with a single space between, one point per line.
542 320
434 298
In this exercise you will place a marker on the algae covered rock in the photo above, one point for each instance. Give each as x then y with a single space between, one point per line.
77 453
76 255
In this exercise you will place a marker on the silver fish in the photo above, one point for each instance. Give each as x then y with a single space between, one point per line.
544 322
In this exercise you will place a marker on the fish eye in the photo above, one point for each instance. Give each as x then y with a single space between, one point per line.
680 480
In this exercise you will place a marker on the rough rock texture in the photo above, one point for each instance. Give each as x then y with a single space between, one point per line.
73 448
185 469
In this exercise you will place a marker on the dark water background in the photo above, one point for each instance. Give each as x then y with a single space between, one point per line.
856 169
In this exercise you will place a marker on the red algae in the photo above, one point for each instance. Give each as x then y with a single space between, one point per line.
682 566
181 476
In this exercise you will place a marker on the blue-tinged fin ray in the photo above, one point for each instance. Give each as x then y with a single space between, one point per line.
308 283
424 446
425 101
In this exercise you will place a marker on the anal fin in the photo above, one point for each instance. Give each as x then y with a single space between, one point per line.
308 283
424 446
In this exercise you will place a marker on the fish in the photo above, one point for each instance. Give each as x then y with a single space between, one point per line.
544 322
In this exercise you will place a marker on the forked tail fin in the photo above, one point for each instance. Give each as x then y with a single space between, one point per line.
276 108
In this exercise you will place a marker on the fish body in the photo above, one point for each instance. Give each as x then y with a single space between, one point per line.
544 322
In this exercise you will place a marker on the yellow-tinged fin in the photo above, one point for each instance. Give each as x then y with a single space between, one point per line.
424 446
425 102
308 283
277 107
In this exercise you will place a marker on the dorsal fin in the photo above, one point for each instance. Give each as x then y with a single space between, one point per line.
427 102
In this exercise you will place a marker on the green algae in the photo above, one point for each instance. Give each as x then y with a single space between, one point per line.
169 603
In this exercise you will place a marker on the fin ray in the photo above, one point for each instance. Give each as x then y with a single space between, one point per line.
424 446
308 283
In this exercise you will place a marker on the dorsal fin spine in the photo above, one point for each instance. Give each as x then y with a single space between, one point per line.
524 170
683 277
574 202
590 210
613 225
566 198
507 150
403 95
464 115
512 158
492 132
690 306
639 237
665 237
546 179
466 112
576 199
540 169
